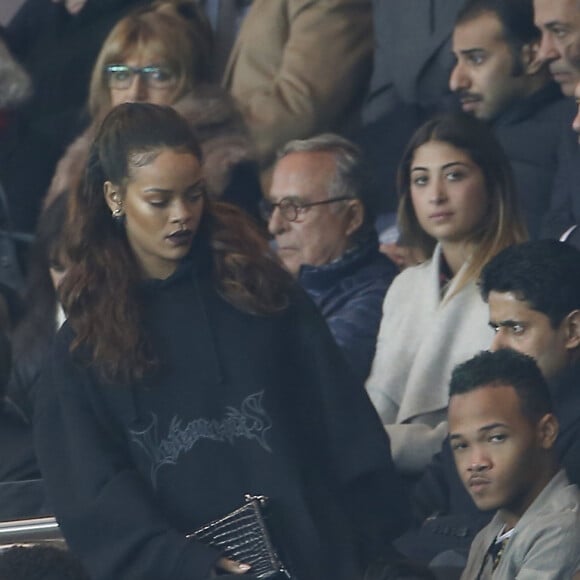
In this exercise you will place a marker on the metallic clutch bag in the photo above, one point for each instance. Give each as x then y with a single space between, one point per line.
242 536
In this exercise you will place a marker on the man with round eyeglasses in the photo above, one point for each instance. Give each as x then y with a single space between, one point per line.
323 226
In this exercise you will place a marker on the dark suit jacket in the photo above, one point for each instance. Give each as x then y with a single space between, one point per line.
58 50
413 56
530 132
564 209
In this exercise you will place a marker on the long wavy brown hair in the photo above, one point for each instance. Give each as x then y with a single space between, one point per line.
100 290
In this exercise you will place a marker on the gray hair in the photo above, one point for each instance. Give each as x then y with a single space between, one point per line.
351 176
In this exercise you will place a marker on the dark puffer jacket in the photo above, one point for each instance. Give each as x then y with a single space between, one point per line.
350 293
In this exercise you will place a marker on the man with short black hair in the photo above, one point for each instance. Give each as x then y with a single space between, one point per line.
533 291
502 432
497 78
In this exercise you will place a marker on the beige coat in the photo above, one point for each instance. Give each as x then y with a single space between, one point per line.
421 340
300 67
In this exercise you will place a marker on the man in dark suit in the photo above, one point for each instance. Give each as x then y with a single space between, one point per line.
498 79
559 21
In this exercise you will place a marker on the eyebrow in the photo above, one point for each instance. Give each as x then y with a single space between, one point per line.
554 23
446 166
470 51
484 429
492 426
507 323
168 191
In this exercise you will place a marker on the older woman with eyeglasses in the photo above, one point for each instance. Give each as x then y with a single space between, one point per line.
163 54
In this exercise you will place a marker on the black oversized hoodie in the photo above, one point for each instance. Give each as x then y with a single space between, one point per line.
241 404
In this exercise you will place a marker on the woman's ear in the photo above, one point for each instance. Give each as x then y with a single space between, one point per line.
356 216
113 198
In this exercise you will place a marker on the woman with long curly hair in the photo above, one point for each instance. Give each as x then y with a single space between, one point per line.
192 371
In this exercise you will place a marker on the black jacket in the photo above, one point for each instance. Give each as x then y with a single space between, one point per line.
529 133
58 50
241 404
564 211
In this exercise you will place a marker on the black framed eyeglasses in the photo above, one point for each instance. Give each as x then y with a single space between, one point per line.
291 208
120 76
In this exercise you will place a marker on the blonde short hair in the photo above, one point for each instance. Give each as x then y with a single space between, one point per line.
176 32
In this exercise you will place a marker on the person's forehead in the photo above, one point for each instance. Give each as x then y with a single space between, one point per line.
512 302
556 11
303 174
485 28
485 405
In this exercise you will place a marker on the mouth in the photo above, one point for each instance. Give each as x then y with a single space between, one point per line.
180 238
441 216
469 101
559 75
478 484
285 249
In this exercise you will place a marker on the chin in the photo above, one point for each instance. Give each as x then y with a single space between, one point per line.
568 88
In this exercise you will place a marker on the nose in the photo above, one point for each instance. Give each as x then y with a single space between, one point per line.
458 79
138 91
438 193
479 461
498 341
547 51
277 224
181 212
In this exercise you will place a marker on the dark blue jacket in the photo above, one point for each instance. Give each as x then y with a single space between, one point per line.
350 292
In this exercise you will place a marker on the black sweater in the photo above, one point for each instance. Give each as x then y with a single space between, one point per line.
242 404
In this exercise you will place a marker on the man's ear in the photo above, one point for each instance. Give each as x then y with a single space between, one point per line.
547 430
356 216
113 197
572 329
531 63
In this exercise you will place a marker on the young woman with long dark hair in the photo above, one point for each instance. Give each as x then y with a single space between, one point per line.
458 205
192 371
